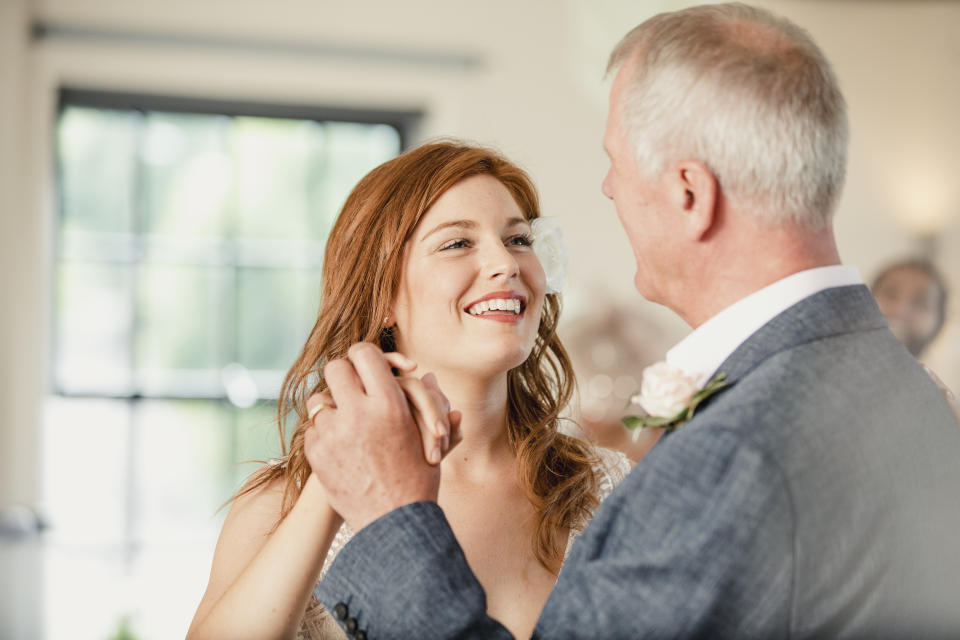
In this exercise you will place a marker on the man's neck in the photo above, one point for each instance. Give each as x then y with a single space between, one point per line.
736 272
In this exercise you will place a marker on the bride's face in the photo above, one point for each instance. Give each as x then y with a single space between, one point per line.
472 290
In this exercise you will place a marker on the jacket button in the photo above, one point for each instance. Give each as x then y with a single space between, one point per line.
340 610
351 626
361 635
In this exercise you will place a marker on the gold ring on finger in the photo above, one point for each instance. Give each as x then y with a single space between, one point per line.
314 410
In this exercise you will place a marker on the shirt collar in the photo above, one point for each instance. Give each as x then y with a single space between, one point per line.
702 352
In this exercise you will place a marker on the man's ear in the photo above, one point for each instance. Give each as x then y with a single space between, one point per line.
695 190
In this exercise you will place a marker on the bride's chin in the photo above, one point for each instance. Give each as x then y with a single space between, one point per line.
491 365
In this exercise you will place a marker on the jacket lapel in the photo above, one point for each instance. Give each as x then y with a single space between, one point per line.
828 313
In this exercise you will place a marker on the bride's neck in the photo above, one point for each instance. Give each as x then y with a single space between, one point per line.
483 405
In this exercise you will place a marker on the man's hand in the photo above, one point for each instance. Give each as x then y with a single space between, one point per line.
372 443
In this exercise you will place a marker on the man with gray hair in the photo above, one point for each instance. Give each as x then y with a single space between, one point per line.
815 494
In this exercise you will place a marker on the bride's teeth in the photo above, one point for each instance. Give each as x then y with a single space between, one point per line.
512 304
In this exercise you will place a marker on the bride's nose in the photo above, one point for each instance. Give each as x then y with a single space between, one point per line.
499 263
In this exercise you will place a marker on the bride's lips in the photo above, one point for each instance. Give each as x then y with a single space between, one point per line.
499 316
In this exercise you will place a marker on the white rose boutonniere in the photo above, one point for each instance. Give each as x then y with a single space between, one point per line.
670 397
550 249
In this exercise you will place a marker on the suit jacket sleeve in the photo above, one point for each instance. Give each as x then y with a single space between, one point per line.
405 576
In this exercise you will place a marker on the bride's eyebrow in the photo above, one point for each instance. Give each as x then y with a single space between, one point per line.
468 224
460 224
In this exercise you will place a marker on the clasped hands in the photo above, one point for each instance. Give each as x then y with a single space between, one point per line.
378 439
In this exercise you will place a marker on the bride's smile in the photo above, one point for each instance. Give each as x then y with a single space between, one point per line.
499 306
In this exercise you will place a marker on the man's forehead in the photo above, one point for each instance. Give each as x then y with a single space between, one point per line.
614 109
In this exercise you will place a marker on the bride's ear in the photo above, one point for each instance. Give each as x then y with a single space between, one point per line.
695 190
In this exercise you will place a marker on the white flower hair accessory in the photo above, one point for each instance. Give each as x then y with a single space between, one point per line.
550 249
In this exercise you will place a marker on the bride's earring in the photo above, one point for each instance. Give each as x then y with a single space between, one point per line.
387 338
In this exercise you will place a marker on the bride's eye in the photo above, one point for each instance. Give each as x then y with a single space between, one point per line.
454 244
522 240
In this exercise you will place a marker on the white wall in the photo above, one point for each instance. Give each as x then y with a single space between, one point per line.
22 265
537 94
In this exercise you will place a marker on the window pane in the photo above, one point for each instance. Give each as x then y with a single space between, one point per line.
185 331
353 150
97 149
187 174
86 454
279 163
255 438
87 592
276 310
150 591
93 328
188 267
183 453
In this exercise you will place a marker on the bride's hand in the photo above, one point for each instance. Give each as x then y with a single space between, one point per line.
439 425
947 393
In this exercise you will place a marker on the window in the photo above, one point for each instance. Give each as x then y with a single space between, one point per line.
187 276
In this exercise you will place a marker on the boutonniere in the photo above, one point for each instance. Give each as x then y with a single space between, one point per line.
670 397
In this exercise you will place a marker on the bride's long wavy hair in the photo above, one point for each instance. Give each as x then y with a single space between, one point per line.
361 275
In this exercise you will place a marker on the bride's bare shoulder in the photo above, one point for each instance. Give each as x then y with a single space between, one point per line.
252 517
259 499
253 514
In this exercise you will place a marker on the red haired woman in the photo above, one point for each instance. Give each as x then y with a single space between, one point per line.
431 257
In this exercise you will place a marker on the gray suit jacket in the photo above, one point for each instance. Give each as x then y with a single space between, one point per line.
818 496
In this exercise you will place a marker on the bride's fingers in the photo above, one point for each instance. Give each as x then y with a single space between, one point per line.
430 409
454 418
399 361
456 435
443 426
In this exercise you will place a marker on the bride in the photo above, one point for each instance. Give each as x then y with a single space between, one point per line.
432 257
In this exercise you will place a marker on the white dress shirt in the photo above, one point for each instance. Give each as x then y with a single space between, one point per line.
702 352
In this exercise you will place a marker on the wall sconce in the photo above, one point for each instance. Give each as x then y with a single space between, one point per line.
925 204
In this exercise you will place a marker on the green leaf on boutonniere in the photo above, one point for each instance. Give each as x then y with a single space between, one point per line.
640 422
686 414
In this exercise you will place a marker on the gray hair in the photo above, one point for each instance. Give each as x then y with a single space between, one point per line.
749 94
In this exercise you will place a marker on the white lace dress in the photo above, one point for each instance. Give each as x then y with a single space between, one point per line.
319 625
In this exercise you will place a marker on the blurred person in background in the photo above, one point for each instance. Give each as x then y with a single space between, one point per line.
912 295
